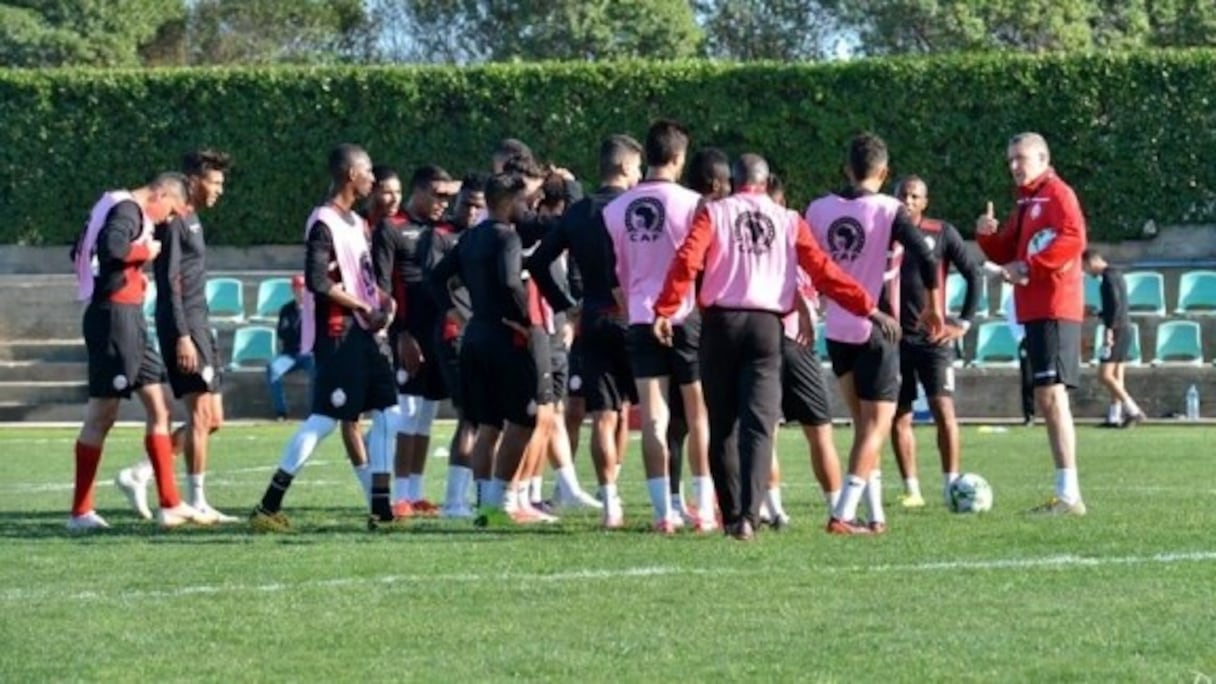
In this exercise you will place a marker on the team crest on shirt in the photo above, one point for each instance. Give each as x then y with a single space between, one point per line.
1040 241
644 219
846 239
754 232
1036 209
192 224
930 242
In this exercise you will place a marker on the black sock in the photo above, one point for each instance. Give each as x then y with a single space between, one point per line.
382 506
272 500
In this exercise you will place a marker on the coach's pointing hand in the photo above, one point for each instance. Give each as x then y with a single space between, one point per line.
987 224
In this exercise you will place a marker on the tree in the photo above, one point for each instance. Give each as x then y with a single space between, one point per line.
785 30
270 31
104 33
502 30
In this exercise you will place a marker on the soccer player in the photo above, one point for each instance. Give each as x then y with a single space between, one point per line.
607 379
930 363
109 258
646 225
499 373
860 228
436 242
400 265
345 315
1123 410
750 249
289 359
1040 247
182 326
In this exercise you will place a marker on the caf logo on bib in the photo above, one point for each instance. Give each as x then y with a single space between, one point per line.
754 232
1040 241
846 239
644 218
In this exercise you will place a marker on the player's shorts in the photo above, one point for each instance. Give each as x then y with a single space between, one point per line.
874 365
804 396
574 369
607 374
680 362
210 369
353 374
1053 348
930 364
1120 348
559 367
428 381
447 359
499 375
121 360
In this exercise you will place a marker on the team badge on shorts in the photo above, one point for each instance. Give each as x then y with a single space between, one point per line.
402 377
576 382
207 374
337 398
121 382
532 408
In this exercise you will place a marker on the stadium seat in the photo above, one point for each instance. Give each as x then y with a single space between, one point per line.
956 292
1006 303
1134 356
995 346
226 299
253 345
1093 294
1145 293
153 339
1197 293
821 343
150 300
1179 342
273 293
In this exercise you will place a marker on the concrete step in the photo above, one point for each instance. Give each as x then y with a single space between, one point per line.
37 392
30 371
44 350
18 412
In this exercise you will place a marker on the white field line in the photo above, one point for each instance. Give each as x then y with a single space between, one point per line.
1061 562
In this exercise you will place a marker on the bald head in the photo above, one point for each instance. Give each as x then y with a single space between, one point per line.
750 169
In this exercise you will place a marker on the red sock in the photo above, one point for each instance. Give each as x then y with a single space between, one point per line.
160 452
88 457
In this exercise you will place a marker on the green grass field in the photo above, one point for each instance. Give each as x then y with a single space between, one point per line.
1127 593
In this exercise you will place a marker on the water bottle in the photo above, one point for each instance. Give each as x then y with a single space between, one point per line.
1192 403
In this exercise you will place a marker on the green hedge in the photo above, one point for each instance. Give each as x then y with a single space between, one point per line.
1135 133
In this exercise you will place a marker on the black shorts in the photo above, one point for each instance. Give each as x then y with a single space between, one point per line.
804 397
1120 348
428 381
354 374
559 366
607 378
932 365
874 365
500 380
447 359
1053 348
210 370
680 362
121 358
574 369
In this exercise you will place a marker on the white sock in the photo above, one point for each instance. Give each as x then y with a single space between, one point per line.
494 493
912 486
846 507
381 440
947 480
831 499
1132 408
609 497
304 442
660 497
363 473
458 485
874 497
1068 489
1114 413
198 498
401 489
415 488
703 490
425 417
142 471
774 502
536 489
567 481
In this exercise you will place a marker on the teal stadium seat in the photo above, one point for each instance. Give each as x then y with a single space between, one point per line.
1197 293
956 292
1093 294
273 293
1145 293
1134 355
1006 304
226 299
821 343
253 346
150 300
1179 342
995 346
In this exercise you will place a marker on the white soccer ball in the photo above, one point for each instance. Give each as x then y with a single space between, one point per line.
970 493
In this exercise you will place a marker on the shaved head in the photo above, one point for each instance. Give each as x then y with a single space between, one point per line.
751 169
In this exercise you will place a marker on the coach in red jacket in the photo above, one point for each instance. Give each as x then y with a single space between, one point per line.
1040 248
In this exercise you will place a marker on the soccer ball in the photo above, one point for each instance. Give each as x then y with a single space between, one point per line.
970 493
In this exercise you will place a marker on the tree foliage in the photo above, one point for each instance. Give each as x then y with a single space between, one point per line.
103 33
785 30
